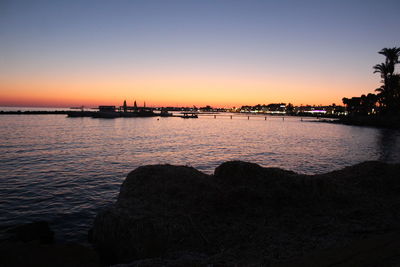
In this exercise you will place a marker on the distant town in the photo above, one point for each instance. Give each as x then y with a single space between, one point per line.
274 109
267 109
142 110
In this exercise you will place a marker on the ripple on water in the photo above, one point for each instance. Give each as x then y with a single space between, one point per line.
64 170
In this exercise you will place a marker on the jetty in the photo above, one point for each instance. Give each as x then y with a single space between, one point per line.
188 115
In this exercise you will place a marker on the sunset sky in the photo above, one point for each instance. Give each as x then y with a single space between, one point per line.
183 53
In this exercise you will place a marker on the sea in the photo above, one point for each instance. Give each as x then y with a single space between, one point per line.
64 170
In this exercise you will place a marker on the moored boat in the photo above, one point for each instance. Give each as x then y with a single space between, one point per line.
189 116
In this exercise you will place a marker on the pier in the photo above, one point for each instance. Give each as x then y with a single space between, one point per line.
134 112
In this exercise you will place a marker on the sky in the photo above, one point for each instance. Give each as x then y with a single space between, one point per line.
183 53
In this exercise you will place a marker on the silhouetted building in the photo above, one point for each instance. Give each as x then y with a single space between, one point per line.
107 108
125 106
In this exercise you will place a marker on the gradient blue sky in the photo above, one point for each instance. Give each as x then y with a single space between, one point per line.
223 53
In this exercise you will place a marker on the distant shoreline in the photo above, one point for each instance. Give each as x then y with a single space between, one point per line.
389 122
55 112
35 112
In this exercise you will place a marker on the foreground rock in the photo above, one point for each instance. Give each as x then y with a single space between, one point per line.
39 255
38 232
244 214
32 245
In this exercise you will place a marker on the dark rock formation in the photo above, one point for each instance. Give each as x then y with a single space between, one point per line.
244 214
32 245
36 231
38 255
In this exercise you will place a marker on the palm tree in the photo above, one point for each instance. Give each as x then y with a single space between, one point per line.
392 57
383 69
388 92
394 85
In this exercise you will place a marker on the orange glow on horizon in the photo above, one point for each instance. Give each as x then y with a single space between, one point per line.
175 90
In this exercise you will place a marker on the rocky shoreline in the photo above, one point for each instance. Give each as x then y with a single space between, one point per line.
247 215
244 214
33 244
391 122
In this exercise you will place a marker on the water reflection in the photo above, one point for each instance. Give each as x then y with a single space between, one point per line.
388 144
62 170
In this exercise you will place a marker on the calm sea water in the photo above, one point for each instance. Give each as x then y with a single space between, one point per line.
65 169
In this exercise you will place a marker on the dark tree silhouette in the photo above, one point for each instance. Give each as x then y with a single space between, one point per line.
392 58
289 108
389 92
364 105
